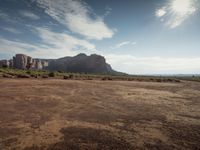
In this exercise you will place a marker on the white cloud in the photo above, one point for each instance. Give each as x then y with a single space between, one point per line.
53 45
3 15
76 16
108 11
160 12
176 12
6 17
119 45
63 40
13 47
12 30
122 44
153 65
134 43
29 15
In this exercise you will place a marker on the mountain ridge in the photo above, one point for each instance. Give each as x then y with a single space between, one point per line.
80 63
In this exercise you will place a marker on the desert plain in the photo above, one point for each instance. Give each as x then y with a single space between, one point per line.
56 114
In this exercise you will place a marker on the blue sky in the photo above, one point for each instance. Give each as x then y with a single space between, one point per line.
135 36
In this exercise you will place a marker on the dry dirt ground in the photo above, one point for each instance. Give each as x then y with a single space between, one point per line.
53 114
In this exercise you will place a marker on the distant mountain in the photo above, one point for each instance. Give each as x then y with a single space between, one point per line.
82 64
77 64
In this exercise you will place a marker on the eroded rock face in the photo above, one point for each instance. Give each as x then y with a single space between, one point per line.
4 63
81 63
38 65
11 63
20 61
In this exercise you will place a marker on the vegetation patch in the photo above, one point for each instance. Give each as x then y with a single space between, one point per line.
16 73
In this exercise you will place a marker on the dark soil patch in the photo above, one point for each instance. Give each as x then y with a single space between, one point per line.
184 136
76 138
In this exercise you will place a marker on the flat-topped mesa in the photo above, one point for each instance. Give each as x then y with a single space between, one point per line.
81 63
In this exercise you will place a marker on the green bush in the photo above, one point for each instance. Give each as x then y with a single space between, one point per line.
23 76
52 74
71 76
158 80
65 77
45 76
28 72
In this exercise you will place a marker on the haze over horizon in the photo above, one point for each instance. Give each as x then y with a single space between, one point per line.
135 36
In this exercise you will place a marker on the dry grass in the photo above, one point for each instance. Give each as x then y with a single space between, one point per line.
56 114
15 73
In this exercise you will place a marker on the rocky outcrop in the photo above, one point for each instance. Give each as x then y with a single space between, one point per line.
20 61
4 63
77 64
11 63
81 64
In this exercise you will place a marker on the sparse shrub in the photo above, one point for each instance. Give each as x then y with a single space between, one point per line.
158 80
5 66
151 79
110 78
176 80
52 74
23 76
169 80
106 78
139 79
65 77
28 72
11 73
71 76
7 76
33 75
89 78
45 76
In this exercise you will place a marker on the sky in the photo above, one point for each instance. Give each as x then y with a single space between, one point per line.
135 36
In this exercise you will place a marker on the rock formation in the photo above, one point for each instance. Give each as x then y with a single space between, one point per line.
78 64
81 64
21 61
4 63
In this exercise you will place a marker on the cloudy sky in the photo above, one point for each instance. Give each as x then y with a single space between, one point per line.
135 36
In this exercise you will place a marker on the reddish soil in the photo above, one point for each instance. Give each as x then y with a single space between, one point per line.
55 114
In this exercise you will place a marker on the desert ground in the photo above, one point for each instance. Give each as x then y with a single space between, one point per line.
56 114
